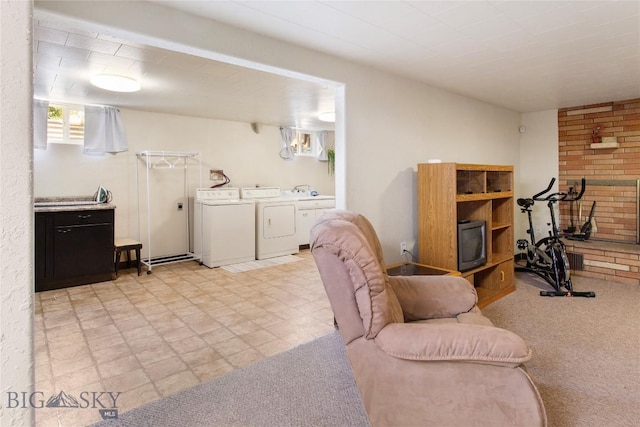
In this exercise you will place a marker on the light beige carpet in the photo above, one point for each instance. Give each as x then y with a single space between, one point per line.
586 351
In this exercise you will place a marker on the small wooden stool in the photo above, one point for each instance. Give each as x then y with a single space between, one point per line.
128 245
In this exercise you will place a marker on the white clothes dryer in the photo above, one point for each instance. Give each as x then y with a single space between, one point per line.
224 227
276 229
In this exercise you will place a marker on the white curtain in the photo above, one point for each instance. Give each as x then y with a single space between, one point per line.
103 130
287 134
40 117
322 151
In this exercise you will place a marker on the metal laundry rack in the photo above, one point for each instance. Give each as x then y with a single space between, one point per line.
165 160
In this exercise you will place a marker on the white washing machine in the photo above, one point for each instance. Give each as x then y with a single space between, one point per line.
276 233
224 227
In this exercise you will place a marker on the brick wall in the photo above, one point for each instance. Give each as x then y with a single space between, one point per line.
613 172
613 262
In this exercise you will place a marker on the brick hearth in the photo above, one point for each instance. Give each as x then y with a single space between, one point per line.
617 262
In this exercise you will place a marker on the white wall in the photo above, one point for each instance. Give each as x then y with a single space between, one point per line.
16 244
403 123
538 164
249 159
389 123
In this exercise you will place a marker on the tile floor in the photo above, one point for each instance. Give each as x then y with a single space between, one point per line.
150 336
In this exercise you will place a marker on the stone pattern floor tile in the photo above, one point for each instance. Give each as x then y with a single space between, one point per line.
153 335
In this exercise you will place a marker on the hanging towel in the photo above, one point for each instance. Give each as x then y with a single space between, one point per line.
40 117
286 153
321 144
103 131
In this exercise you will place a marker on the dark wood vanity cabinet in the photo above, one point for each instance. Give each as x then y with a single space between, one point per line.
73 248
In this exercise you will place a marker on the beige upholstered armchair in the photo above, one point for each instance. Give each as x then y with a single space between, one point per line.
421 352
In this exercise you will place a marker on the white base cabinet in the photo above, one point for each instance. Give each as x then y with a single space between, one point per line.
308 212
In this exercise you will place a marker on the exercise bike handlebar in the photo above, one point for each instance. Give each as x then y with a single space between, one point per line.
554 197
537 196
583 186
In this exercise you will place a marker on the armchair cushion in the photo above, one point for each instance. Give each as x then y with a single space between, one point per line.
431 297
453 342
377 303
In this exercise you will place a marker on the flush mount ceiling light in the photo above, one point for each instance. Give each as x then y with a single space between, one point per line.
327 117
115 83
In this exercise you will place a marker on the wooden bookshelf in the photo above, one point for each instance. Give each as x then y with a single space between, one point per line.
449 192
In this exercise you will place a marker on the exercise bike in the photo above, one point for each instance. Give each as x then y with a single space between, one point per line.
547 257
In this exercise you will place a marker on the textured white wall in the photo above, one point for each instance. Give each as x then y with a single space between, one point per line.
16 221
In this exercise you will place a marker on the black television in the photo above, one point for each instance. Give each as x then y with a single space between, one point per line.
472 247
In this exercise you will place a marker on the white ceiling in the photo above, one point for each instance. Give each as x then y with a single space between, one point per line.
173 82
522 55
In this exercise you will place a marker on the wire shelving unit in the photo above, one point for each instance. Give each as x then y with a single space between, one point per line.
159 160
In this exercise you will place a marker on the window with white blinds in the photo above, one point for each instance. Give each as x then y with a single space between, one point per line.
65 124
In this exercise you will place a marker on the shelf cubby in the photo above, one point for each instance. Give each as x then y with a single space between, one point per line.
471 182
499 181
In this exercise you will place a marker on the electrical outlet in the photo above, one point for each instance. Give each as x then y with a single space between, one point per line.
180 206
403 247
216 175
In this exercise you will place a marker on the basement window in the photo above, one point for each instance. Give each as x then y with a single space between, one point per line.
304 143
65 124
308 143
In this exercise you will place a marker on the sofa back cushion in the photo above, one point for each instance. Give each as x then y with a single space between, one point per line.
350 239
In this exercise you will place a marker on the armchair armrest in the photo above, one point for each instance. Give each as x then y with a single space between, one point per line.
431 297
453 342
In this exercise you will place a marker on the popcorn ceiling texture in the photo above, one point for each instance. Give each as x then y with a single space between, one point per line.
16 222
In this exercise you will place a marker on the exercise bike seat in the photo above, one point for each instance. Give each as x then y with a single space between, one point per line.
525 203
